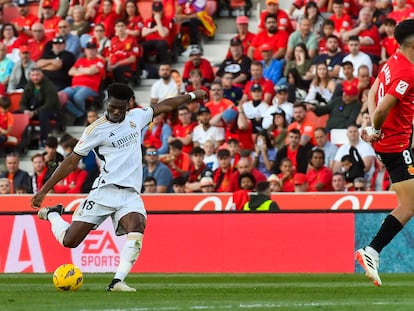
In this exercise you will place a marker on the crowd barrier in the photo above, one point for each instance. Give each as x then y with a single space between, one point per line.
309 201
294 241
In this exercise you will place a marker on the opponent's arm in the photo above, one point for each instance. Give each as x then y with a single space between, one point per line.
70 163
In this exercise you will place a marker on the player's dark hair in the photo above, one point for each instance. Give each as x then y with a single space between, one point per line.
120 91
404 30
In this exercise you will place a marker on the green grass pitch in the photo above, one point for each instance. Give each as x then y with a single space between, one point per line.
212 292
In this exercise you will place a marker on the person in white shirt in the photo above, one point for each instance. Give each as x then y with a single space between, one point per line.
280 101
204 131
165 87
116 140
356 57
255 109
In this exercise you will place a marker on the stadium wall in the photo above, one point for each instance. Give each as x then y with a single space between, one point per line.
322 242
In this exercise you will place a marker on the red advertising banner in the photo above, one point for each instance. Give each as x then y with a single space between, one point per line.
222 243
223 201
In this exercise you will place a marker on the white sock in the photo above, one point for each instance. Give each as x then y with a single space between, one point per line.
129 254
372 252
59 226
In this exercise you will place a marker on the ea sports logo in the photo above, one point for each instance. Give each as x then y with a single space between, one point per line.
100 251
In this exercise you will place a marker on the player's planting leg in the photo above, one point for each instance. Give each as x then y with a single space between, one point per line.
129 256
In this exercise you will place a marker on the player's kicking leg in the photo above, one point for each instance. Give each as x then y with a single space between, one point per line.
370 264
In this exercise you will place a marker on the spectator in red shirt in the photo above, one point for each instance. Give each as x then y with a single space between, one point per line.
134 19
342 21
283 19
37 44
286 175
243 33
401 11
276 38
124 54
221 175
218 103
196 171
184 129
87 74
178 162
108 16
24 21
245 165
256 70
319 176
156 33
389 44
196 61
49 18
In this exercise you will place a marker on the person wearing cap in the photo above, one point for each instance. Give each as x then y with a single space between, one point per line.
272 67
40 102
124 55
217 103
275 184
55 62
261 201
72 42
38 41
283 19
204 131
255 109
238 64
24 21
318 175
293 151
207 185
195 174
301 182
278 40
197 61
243 33
356 57
256 70
87 76
21 70
156 34
390 104
280 104
304 35
49 18
343 111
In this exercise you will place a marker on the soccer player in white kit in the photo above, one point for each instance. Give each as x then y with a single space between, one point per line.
116 141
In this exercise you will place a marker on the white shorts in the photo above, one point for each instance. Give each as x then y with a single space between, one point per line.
109 201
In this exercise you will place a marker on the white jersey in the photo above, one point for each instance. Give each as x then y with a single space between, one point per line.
118 148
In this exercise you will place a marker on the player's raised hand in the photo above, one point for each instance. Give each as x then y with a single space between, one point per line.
38 199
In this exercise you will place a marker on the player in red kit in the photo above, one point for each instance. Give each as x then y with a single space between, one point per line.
390 104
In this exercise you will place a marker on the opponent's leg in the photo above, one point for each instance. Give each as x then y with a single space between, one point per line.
134 225
368 257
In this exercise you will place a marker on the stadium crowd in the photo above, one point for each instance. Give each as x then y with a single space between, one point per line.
273 104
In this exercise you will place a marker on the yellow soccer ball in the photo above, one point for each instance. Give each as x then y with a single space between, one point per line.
67 277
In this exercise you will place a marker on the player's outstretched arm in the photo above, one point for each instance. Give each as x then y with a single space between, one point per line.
172 103
64 169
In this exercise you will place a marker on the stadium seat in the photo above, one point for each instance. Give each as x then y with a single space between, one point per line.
15 98
21 123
